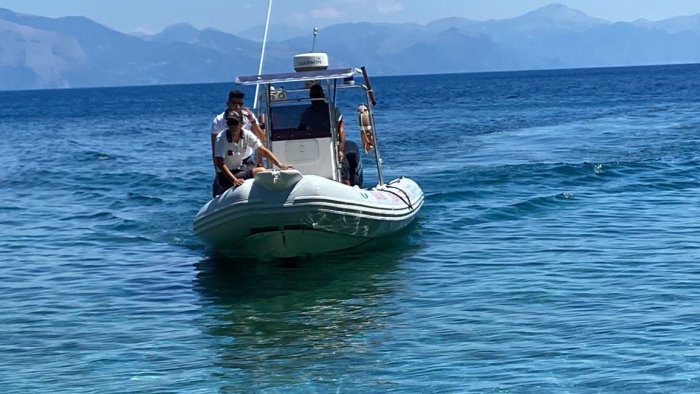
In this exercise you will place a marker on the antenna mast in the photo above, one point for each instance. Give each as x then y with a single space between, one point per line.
262 52
313 45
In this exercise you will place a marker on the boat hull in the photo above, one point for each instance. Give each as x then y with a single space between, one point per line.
285 214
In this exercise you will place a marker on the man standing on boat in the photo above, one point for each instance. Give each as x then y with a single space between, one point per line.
316 116
235 103
231 154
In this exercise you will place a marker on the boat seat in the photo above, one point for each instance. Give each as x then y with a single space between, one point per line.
303 140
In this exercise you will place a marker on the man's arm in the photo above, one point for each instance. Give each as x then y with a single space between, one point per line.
216 127
227 173
254 125
213 146
259 132
341 139
273 159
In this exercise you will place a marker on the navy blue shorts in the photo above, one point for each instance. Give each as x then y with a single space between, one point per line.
345 170
222 183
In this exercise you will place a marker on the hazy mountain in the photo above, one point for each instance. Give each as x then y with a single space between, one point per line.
179 32
32 58
40 52
552 17
276 32
678 24
77 52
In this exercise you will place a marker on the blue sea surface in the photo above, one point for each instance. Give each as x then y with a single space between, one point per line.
558 249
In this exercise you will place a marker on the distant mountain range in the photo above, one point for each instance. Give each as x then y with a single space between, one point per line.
38 52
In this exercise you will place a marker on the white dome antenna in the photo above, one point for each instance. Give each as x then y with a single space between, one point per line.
311 60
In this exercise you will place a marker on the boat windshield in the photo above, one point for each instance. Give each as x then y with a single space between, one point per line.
300 121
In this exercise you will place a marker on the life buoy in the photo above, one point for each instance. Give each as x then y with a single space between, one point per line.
365 128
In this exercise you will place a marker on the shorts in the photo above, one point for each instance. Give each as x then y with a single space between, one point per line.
222 183
345 170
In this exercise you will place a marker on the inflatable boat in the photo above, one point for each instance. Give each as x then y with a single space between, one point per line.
313 208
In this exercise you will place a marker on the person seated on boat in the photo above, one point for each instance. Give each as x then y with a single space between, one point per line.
317 117
231 154
235 102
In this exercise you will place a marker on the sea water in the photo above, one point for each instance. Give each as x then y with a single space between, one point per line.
558 249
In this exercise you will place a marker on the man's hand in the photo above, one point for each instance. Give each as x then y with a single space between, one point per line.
249 114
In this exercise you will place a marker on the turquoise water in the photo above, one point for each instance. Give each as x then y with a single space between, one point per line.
558 249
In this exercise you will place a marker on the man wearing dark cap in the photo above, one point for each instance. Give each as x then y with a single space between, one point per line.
235 102
232 149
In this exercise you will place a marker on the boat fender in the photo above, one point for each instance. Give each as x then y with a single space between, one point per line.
365 127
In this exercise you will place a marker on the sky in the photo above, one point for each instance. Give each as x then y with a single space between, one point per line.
232 16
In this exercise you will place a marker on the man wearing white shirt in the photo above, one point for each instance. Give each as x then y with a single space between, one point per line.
232 149
235 102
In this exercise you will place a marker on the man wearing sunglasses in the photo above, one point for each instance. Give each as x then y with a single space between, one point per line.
232 154
235 102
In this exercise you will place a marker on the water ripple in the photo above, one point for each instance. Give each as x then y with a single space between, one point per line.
556 251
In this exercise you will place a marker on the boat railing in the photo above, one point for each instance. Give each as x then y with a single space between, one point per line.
290 88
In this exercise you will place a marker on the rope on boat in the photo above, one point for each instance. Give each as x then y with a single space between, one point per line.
406 201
